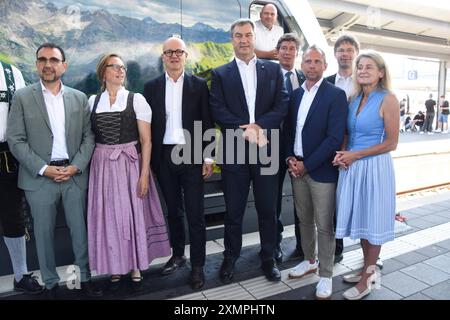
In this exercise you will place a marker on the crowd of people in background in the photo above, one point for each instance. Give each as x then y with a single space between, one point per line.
424 121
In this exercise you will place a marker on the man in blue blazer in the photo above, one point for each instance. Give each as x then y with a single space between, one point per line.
248 95
315 129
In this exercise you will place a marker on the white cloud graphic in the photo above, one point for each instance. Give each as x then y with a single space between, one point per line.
218 14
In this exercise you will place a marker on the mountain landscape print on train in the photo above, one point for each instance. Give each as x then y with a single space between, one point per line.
134 29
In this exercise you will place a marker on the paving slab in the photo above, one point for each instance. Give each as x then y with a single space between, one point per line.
432 251
441 262
426 273
440 291
402 284
411 258
418 296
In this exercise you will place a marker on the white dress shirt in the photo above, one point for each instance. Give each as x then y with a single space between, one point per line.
294 78
56 114
345 84
174 102
267 39
4 106
141 107
249 83
305 105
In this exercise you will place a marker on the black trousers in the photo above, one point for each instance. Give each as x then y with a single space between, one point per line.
183 190
281 178
236 179
339 242
11 213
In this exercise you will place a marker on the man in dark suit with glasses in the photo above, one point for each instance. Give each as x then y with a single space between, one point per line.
179 103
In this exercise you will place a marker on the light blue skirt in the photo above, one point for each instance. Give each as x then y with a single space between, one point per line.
365 200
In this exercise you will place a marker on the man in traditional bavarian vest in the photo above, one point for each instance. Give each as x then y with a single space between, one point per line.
11 215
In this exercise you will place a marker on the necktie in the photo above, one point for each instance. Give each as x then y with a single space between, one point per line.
288 82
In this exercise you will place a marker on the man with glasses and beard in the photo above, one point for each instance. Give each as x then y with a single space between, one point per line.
49 133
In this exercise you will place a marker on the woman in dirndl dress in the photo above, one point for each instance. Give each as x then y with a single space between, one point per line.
126 226
365 196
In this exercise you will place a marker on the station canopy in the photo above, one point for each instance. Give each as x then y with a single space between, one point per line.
418 28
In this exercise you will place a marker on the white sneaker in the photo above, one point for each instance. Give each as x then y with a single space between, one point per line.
302 269
445 131
324 288
430 132
421 132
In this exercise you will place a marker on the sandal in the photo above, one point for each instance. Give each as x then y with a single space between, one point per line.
137 278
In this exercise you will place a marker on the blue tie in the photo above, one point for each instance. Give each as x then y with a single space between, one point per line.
288 82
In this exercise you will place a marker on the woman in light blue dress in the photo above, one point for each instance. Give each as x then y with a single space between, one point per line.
365 198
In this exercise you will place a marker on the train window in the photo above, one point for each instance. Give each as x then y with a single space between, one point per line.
255 10
284 19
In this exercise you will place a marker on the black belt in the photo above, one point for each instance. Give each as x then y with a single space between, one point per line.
170 147
299 158
60 163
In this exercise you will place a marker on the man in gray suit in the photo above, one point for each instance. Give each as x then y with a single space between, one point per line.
49 133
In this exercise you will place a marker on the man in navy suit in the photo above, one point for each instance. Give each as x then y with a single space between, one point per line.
287 47
315 129
248 95
346 48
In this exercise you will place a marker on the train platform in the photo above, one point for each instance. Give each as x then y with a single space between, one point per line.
416 265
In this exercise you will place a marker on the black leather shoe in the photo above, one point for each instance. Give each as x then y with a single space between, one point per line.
136 284
296 255
174 263
52 293
89 290
28 284
338 257
227 270
115 283
270 270
278 254
197 278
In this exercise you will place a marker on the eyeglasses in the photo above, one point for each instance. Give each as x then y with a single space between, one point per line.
117 67
178 52
53 61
